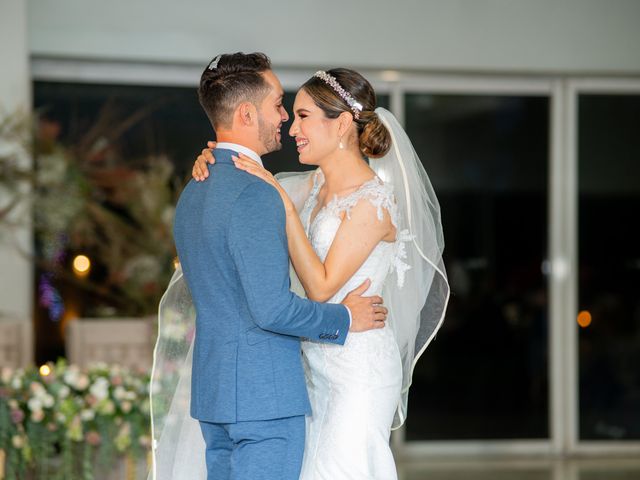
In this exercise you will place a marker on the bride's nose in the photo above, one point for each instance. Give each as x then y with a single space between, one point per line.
293 130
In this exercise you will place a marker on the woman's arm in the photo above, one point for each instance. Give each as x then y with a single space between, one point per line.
357 236
355 240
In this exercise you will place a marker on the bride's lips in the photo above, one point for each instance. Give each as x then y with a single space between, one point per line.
301 143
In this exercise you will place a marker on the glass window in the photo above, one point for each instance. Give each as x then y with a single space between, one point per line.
169 120
609 266
485 376
112 140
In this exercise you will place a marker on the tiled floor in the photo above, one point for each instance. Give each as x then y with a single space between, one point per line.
589 469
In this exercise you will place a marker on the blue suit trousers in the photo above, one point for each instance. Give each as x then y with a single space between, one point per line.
255 450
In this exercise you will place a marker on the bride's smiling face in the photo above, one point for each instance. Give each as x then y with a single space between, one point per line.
316 135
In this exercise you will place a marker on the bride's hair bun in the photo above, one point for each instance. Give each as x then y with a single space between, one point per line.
373 136
375 139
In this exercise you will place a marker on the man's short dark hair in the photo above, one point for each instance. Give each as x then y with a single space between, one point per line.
236 78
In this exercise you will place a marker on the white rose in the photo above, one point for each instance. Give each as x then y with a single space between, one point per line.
37 416
37 389
100 388
126 407
64 391
71 376
17 441
16 383
83 382
119 393
87 415
34 404
48 401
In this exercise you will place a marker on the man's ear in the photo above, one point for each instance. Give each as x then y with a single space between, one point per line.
247 113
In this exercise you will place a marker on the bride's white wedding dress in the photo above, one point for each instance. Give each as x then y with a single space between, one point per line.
354 389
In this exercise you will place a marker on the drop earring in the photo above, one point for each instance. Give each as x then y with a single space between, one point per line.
341 146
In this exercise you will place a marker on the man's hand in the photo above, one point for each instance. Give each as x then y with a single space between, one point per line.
200 170
367 313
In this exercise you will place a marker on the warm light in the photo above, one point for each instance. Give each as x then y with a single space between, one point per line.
584 319
176 263
81 265
45 370
390 75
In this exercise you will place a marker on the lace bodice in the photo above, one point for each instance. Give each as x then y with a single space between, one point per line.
386 256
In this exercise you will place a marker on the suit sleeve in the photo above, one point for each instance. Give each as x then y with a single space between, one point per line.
258 244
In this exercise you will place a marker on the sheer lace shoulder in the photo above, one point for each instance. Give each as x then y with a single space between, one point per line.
377 193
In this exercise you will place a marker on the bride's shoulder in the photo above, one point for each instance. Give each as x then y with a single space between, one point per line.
378 192
378 188
374 193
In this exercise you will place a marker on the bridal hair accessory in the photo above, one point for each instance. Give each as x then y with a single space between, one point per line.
330 80
214 62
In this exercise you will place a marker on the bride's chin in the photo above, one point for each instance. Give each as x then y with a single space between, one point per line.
303 159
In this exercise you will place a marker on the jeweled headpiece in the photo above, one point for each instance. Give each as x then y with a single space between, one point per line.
330 80
214 63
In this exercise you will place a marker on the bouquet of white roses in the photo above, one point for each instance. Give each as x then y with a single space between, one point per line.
66 422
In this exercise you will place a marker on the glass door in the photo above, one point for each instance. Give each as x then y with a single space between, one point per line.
485 376
608 152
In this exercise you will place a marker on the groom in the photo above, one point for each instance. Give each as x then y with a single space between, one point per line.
248 388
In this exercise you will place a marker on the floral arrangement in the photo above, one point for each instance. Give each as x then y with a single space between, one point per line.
60 421
85 196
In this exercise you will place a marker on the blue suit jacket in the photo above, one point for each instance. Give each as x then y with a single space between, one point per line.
231 240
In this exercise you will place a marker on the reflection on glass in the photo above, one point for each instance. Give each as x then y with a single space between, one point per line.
609 266
170 122
485 374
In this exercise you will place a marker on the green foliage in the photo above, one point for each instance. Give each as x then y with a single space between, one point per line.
87 197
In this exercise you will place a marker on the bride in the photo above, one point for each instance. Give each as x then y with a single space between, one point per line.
350 220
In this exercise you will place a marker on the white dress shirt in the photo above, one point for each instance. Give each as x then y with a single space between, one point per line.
241 149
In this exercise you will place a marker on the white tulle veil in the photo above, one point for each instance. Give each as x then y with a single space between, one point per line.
416 309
